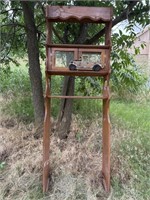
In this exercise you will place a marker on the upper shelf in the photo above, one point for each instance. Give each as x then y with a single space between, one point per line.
79 46
79 14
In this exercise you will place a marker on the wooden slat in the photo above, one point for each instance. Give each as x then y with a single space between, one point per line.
79 46
67 72
77 97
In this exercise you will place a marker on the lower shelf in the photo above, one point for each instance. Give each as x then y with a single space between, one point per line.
67 72
77 97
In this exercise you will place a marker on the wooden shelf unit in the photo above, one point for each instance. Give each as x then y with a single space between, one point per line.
76 14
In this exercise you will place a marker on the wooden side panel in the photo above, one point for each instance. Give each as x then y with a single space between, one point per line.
48 32
48 41
108 33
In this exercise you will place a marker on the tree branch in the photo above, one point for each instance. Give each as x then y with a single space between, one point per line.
13 25
123 16
82 34
57 35
65 36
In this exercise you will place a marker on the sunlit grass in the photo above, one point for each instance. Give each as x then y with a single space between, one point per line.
132 115
134 146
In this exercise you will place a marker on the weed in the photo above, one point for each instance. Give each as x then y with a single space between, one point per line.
79 136
2 165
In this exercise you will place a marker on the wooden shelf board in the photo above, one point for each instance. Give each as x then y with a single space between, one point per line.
77 97
79 46
67 72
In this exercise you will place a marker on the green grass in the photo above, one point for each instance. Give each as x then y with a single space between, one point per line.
88 108
132 115
134 146
16 91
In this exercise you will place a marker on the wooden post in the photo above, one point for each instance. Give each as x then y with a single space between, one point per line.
106 119
47 121
46 138
106 140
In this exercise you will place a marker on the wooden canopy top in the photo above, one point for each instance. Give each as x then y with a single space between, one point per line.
79 14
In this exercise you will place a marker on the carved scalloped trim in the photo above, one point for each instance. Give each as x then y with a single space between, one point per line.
91 14
75 18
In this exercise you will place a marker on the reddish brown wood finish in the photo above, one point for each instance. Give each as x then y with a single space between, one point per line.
81 15
67 72
78 97
47 122
106 146
106 137
52 68
78 14
62 46
46 138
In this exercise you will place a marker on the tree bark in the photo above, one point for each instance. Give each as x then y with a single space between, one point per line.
34 64
64 118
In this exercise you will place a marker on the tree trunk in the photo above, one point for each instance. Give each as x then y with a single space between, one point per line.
64 118
34 64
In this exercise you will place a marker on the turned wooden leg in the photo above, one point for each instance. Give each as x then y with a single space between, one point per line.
106 146
46 140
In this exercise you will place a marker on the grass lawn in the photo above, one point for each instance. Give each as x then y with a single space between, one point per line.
133 119
132 115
